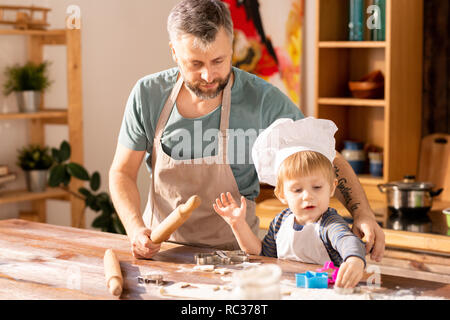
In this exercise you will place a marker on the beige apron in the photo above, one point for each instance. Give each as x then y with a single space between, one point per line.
175 181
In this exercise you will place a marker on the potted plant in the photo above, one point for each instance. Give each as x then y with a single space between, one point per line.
35 160
60 176
28 82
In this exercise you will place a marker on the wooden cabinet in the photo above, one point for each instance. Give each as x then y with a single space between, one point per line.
71 116
392 123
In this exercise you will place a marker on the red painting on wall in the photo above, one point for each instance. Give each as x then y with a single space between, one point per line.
268 41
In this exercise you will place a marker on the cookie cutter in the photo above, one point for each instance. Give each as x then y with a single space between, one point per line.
312 280
151 278
221 257
330 268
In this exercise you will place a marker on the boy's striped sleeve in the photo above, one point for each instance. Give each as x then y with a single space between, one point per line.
337 234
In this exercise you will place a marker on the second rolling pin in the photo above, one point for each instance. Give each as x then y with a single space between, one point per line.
174 220
113 274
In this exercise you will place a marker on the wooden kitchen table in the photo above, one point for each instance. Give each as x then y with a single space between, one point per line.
42 261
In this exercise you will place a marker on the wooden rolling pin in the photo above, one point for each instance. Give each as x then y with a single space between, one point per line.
113 275
178 216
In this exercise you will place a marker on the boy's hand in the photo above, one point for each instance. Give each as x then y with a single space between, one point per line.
228 209
350 273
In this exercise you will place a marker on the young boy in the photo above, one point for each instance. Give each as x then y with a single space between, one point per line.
296 157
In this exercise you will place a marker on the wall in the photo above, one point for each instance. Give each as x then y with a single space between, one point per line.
121 42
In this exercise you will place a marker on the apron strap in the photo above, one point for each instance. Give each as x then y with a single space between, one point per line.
167 109
224 123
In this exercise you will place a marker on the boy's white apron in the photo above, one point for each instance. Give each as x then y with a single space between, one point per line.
304 245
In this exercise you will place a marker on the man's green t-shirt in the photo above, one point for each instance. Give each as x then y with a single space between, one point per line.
255 104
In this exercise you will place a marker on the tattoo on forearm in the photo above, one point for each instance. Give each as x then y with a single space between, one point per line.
346 192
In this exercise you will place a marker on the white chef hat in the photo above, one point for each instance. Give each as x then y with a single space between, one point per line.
284 137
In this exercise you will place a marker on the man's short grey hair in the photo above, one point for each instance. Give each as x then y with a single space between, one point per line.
201 18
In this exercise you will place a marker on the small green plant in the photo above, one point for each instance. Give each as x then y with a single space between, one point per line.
34 157
28 77
60 176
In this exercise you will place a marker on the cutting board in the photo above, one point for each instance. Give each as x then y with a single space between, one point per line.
434 167
434 163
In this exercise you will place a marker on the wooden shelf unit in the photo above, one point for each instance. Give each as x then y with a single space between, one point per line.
72 117
393 123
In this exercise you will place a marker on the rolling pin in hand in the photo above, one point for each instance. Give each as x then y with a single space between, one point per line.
178 216
113 275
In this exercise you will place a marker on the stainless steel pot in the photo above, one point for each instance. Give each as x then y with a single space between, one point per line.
409 194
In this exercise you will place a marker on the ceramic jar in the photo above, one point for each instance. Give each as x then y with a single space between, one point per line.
354 153
257 283
376 164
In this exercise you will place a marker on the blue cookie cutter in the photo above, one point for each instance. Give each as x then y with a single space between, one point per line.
312 280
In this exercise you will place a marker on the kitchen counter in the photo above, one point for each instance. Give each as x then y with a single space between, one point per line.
42 261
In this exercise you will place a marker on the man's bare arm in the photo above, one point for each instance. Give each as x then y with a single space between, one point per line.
349 190
127 202
124 190
351 194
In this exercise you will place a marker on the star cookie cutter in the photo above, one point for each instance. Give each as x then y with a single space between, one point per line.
332 271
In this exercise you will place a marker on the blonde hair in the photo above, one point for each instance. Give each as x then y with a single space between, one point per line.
304 163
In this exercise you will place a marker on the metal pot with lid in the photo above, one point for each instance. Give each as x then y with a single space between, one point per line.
409 194
409 202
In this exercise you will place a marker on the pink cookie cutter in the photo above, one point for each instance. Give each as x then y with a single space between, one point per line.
329 265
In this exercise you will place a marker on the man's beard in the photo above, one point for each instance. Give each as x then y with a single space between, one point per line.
207 95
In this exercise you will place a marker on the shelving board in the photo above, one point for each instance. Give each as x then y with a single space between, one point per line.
12 196
380 103
352 44
13 32
60 114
